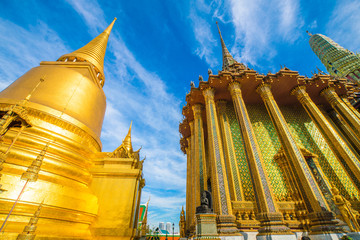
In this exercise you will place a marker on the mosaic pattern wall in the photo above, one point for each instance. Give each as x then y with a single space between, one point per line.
245 179
232 156
309 137
306 136
269 145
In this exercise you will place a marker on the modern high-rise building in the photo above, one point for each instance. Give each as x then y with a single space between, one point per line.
338 61
56 183
277 166
162 225
168 227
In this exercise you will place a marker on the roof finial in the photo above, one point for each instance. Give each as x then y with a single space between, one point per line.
309 33
127 140
227 58
93 52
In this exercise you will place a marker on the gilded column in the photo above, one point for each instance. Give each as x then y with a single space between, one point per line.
188 185
141 185
322 219
193 178
350 106
343 153
285 167
342 109
236 193
323 182
348 135
271 219
220 189
200 168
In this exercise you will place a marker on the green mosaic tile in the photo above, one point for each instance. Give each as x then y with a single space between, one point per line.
269 145
244 172
309 137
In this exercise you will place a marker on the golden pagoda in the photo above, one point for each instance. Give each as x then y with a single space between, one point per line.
51 119
279 154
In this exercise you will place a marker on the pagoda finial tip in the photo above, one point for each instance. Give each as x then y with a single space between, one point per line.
309 33
93 52
127 141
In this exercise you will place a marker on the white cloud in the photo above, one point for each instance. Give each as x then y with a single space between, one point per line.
203 34
313 25
261 24
22 49
344 24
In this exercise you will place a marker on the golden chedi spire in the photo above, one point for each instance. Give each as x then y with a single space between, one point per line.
93 52
127 141
72 92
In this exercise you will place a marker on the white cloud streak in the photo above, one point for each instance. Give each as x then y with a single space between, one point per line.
261 24
203 34
344 24
22 49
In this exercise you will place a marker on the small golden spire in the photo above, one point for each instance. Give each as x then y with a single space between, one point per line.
29 230
32 172
127 141
227 58
94 51
309 33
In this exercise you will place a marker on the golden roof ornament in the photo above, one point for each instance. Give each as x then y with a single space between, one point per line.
32 172
17 111
228 60
127 141
93 52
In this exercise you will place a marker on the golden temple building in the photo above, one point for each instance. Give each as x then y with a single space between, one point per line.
56 183
279 154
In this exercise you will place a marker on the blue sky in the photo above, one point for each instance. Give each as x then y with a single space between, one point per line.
156 48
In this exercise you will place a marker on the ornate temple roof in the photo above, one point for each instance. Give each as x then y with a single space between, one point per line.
282 83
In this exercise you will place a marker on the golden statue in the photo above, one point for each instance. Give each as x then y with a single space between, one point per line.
348 214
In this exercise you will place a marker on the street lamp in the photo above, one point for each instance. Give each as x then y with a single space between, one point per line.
157 233
173 231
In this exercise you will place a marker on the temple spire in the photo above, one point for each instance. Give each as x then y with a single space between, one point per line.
93 52
127 141
227 58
